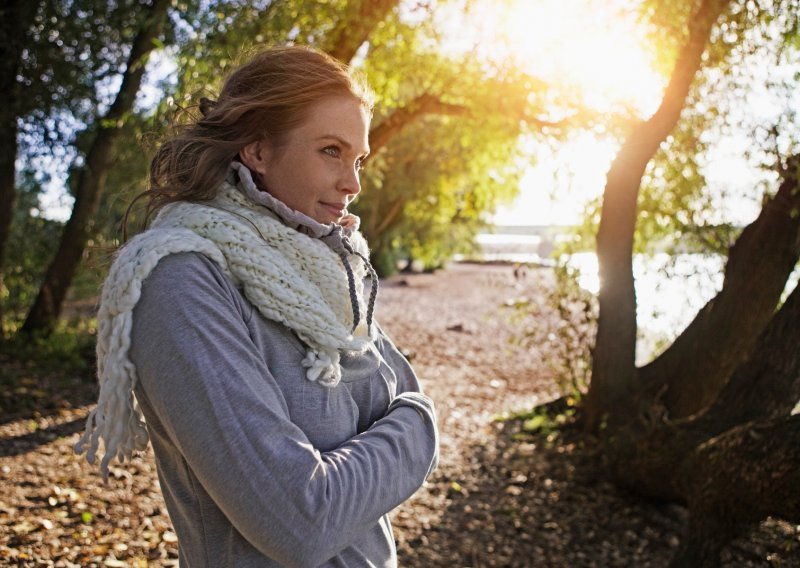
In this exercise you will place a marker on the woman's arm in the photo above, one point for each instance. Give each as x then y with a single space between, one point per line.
407 380
223 410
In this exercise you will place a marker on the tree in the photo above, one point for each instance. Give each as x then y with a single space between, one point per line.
91 178
613 368
416 88
211 37
444 153
428 204
689 426
55 55
445 143
15 18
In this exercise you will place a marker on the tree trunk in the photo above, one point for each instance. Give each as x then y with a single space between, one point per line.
697 365
736 480
613 366
16 17
767 385
92 179
353 31
8 194
736 462
645 455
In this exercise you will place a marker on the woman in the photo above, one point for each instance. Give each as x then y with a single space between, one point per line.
285 424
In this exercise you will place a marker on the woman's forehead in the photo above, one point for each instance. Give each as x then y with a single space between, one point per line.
341 119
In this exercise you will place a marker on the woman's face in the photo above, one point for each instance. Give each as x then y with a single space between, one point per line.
315 170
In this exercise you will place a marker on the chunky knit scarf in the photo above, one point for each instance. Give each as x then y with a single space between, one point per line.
295 271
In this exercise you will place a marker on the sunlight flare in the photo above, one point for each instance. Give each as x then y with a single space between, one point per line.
597 48
593 51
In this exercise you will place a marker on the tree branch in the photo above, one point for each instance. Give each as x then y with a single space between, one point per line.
391 214
426 103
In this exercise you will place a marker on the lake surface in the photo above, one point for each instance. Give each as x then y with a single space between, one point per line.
670 289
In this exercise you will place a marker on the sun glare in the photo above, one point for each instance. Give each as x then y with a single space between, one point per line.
596 51
593 46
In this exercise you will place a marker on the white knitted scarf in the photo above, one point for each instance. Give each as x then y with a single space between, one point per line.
295 271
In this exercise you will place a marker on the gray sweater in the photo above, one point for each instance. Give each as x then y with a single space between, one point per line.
258 465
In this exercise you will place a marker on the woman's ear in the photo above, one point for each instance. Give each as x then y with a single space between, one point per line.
255 156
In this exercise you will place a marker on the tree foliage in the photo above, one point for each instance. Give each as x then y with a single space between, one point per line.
56 59
445 130
421 201
26 264
677 205
73 53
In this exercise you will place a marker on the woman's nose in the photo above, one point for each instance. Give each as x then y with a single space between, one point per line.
350 182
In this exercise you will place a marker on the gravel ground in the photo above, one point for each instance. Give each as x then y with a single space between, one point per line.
501 496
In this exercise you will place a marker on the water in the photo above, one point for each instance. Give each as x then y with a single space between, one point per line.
670 289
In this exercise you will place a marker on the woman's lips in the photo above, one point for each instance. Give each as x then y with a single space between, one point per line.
337 209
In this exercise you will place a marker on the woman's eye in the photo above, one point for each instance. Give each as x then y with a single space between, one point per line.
332 151
359 164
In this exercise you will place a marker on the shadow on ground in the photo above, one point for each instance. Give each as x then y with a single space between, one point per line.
542 500
24 443
39 404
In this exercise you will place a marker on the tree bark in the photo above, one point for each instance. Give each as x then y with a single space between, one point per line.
737 461
92 178
16 17
767 385
613 366
353 31
645 455
736 480
697 365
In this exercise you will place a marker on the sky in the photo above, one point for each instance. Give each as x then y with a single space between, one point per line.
554 192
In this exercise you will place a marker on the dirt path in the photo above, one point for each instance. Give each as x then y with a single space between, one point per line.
500 497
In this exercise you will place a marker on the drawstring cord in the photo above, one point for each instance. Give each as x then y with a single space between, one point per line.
373 293
341 245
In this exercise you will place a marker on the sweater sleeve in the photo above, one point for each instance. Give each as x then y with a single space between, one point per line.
407 380
223 410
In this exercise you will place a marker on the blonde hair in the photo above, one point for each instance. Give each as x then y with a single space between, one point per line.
263 99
